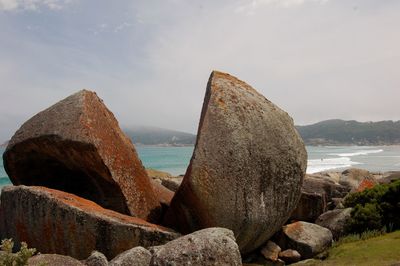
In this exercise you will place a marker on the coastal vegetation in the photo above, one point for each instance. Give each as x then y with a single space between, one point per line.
375 208
341 132
20 258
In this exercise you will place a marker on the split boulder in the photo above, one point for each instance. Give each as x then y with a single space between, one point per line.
77 146
247 167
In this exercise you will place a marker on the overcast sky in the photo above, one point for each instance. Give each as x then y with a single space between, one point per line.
150 60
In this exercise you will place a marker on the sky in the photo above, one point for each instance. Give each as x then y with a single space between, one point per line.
150 60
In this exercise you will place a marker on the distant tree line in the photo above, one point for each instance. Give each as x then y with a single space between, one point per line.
338 132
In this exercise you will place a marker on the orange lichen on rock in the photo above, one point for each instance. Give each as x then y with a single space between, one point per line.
77 146
246 169
91 207
366 183
58 222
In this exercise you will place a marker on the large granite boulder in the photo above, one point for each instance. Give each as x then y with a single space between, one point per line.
211 246
58 222
247 167
77 146
307 238
336 221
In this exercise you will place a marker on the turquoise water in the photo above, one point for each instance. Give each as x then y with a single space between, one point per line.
173 160
3 175
176 159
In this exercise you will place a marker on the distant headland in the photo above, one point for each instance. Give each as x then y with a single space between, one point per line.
145 135
342 132
328 132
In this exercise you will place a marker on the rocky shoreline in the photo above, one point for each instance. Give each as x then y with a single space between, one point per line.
81 195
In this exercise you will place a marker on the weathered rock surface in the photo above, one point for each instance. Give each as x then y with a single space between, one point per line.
271 251
157 174
335 221
211 246
321 184
310 206
247 167
307 238
53 259
389 177
357 179
77 146
137 256
317 195
290 256
165 179
96 259
57 222
164 195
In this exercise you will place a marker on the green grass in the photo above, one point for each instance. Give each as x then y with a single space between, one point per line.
382 250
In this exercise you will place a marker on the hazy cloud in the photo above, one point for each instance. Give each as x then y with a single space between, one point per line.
8 5
250 7
150 60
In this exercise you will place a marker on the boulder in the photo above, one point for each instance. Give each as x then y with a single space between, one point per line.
335 221
165 179
307 238
247 167
164 195
172 184
317 195
357 179
211 246
310 206
321 184
53 259
58 222
138 256
77 146
157 174
290 256
96 259
389 177
271 251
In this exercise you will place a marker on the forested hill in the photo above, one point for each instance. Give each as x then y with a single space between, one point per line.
341 132
159 136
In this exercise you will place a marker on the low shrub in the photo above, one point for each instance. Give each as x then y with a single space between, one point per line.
375 208
20 258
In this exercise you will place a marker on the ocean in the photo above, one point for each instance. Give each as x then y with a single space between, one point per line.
176 159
